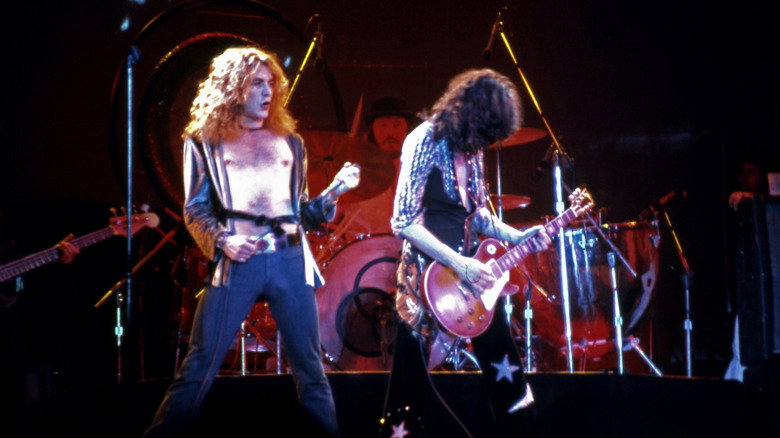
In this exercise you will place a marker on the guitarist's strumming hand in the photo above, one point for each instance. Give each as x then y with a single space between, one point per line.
476 273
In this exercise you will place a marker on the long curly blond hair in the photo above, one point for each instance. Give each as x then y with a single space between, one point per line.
217 109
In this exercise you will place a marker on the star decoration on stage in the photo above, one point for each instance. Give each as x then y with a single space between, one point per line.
505 369
400 430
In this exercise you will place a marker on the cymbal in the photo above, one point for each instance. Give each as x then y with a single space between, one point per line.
511 202
326 153
521 136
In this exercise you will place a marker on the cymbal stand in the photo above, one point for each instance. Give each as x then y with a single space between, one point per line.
563 271
617 317
687 325
242 346
528 314
508 306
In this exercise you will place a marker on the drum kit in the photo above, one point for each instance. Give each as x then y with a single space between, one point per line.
356 304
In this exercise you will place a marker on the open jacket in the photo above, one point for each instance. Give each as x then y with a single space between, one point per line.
207 197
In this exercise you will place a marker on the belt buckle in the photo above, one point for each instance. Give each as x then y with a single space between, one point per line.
266 243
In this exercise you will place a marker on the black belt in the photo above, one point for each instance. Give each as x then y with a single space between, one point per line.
269 243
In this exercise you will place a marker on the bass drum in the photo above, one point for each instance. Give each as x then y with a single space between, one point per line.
356 304
590 285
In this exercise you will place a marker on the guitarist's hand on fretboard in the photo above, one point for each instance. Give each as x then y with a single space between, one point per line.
68 250
537 237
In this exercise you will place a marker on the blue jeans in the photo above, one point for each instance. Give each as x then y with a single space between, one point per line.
277 278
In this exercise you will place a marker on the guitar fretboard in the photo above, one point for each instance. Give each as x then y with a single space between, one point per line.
519 252
25 264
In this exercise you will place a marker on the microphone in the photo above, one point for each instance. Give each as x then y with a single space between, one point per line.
543 164
651 209
496 26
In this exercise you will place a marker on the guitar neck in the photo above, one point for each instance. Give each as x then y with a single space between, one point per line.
26 264
513 257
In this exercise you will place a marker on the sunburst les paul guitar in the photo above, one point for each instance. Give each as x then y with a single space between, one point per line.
117 227
457 306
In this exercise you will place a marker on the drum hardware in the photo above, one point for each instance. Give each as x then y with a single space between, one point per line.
260 326
510 202
555 152
528 314
633 343
327 151
589 281
521 136
616 306
449 349
687 275
334 237
460 355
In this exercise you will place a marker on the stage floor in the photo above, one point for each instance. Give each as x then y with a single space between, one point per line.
582 404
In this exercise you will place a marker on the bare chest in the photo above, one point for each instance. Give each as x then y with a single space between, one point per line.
259 168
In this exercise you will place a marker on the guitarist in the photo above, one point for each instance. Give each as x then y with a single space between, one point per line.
68 252
13 366
440 210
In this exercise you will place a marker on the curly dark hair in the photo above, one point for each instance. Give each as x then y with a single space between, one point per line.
479 108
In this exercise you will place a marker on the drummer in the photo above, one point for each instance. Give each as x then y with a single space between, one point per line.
388 122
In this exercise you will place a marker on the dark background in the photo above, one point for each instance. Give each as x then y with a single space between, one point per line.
648 98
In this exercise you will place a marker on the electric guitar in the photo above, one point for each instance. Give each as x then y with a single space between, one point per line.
117 227
457 306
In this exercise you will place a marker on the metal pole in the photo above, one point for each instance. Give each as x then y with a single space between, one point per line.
618 317
560 208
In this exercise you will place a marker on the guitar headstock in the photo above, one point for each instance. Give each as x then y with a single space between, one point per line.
581 201
137 222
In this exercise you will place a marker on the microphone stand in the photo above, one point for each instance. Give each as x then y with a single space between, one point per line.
125 299
316 41
558 154
559 204
559 209
686 278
